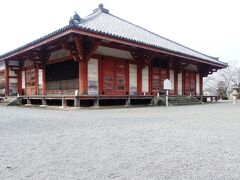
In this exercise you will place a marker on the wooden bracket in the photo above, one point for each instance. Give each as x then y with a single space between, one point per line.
81 48
143 57
40 58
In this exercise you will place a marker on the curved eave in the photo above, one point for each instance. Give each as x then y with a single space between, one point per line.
101 35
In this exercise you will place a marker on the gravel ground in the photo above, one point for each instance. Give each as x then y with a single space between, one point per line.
187 142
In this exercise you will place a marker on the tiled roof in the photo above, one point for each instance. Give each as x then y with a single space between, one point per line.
102 22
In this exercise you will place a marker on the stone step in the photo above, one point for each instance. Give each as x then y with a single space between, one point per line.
176 100
11 101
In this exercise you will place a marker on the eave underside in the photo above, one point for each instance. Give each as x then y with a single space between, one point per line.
54 41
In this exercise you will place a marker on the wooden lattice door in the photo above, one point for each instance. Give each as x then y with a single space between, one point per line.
189 83
158 77
114 77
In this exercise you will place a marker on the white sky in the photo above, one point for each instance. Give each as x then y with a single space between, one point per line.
209 26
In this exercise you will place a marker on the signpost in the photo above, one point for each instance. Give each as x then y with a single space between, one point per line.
167 86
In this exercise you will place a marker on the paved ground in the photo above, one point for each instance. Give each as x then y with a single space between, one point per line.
188 142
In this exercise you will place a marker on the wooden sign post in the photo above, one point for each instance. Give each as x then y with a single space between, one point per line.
167 87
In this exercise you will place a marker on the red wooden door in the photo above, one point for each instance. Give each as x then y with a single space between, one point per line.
164 76
155 80
189 83
114 77
158 77
193 83
120 77
108 77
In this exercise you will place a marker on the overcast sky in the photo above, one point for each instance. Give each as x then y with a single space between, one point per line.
209 26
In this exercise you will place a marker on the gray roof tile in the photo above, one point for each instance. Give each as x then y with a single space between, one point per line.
107 23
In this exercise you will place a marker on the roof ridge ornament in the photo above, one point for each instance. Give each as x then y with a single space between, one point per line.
75 20
101 8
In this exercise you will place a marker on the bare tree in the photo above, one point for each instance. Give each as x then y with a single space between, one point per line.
220 82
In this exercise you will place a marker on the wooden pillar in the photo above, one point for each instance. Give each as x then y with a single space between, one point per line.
36 80
7 79
183 83
139 79
44 102
127 78
96 102
64 102
76 102
201 84
83 77
44 80
100 76
19 81
28 101
150 78
175 82
128 101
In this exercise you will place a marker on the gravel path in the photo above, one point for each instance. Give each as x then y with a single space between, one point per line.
187 142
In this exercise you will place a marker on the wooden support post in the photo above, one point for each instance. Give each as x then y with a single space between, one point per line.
183 83
64 102
152 101
76 102
44 81
83 77
139 79
96 102
128 101
100 76
19 79
150 79
36 80
7 79
44 102
175 82
28 101
201 84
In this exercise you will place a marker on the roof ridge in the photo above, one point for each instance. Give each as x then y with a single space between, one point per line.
91 16
216 58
